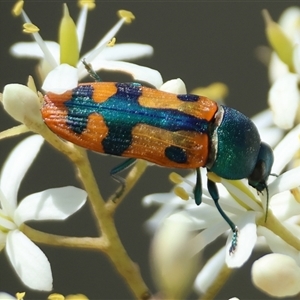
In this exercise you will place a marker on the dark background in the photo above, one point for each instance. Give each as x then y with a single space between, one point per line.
199 41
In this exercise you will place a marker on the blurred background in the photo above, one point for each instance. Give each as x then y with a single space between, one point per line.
200 42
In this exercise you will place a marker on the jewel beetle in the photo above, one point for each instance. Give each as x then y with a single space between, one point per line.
178 131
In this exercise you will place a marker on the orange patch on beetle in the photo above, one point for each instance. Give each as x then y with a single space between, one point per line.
92 137
102 90
53 110
55 115
150 142
203 108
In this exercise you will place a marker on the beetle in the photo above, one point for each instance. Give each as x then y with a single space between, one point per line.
177 131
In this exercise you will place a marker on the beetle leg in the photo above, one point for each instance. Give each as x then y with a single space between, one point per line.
198 188
91 71
113 173
213 191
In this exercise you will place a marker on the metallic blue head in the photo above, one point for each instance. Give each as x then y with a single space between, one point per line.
238 151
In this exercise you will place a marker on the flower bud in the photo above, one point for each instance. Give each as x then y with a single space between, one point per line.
277 275
22 104
278 40
285 87
173 264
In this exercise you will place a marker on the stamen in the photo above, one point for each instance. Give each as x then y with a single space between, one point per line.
296 194
56 297
181 192
103 42
127 15
91 56
90 4
20 296
176 178
213 177
112 42
30 28
18 7
113 31
85 6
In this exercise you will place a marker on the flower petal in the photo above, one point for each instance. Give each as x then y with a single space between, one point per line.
272 136
138 73
241 191
289 22
267 131
278 245
5 296
6 224
15 168
277 68
126 51
81 24
296 58
286 149
203 216
175 86
3 237
285 182
30 263
246 240
263 119
52 204
22 104
210 271
284 206
173 262
61 79
284 100
33 50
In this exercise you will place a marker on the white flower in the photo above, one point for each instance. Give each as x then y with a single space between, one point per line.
22 104
52 55
289 23
284 95
244 207
5 296
277 275
29 262
174 264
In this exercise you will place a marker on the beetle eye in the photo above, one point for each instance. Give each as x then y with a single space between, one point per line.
262 169
259 176
259 172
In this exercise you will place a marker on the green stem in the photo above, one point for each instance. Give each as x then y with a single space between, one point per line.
37 236
279 229
109 242
113 246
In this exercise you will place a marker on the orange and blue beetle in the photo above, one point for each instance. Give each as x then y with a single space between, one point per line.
177 131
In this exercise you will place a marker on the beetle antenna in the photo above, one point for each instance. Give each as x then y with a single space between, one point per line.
267 208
